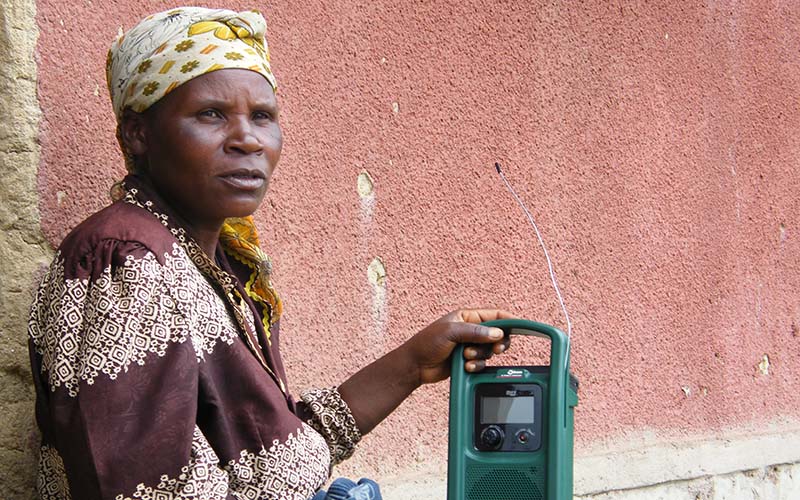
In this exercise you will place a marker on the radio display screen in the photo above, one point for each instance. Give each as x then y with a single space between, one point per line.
518 410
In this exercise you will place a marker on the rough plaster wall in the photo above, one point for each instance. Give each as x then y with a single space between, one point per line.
657 144
22 247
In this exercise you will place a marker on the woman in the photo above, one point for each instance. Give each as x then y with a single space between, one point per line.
154 336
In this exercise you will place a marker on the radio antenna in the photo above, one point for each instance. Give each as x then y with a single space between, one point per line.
541 242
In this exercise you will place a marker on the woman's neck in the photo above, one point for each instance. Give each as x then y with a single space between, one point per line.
204 232
206 238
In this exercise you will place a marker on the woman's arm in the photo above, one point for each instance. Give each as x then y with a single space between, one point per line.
376 390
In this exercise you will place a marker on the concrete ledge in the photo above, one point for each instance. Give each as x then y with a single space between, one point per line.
776 482
664 462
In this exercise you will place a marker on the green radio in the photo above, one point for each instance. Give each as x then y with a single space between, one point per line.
511 427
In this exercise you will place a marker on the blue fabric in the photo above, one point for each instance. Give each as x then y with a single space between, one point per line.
345 489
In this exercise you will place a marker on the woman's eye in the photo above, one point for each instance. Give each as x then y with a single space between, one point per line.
262 115
210 113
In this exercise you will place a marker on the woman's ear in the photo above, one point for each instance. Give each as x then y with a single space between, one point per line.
133 132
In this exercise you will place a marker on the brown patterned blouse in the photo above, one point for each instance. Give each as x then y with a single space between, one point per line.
155 375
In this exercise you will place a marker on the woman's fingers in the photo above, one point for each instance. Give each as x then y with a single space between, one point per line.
475 366
484 351
476 355
481 315
502 346
471 333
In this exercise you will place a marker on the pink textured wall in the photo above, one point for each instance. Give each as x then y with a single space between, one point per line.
657 144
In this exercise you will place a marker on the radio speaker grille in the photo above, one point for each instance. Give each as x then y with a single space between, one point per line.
486 482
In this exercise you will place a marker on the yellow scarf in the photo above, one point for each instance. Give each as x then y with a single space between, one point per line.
239 239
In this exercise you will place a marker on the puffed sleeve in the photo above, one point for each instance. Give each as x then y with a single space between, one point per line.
115 365
329 415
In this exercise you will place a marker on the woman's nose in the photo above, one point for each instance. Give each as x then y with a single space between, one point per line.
242 137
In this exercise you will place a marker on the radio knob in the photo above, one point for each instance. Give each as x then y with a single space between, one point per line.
492 437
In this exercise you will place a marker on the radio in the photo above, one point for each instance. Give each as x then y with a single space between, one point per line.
511 427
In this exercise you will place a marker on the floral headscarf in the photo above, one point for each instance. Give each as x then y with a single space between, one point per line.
170 48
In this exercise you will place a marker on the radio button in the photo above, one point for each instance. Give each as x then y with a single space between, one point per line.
492 437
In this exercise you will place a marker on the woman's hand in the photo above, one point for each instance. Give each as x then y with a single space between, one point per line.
375 391
429 350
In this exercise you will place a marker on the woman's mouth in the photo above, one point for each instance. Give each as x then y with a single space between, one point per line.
244 180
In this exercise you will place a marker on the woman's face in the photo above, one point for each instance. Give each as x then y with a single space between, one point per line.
211 145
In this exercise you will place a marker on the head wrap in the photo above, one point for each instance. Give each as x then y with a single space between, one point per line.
170 48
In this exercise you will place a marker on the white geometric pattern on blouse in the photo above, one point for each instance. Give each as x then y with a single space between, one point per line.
333 420
51 482
201 478
83 329
292 470
206 265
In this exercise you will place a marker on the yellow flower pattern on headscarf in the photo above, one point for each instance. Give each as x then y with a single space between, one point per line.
228 31
239 239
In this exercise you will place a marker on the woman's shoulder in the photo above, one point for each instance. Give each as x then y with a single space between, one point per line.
119 232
